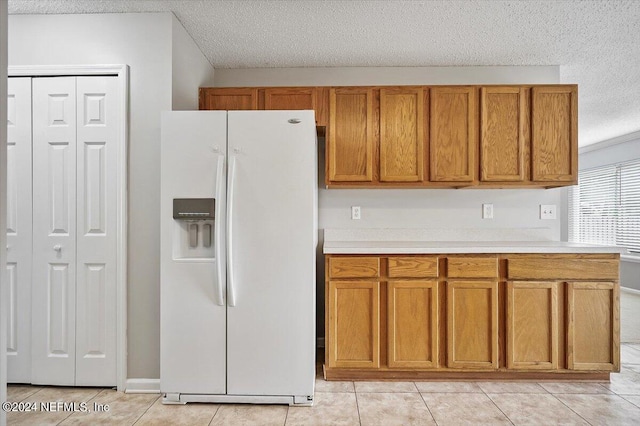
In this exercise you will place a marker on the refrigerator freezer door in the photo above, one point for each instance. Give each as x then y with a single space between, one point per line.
192 320
271 328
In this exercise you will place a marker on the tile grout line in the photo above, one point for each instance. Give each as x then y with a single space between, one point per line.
571 409
630 402
357 404
499 409
427 405
286 416
145 411
214 414
72 413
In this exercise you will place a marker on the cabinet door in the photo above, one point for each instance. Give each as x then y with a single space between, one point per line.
351 136
554 134
354 328
532 325
472 324
228 99
290 98
401 134
413 324
502 134
593 329
453 135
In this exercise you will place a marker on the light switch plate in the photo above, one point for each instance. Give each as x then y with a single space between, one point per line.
547 211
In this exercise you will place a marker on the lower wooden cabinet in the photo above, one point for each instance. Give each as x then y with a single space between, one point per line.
593 337
472 324
354 326
516 315
532 325
412 319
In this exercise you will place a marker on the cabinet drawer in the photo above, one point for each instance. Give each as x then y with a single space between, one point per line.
413 267
354 267
472 267
537 268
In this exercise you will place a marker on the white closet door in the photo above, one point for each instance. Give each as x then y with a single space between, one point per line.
97 109
19 230
54 231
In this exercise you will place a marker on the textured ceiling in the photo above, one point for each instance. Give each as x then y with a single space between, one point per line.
596 43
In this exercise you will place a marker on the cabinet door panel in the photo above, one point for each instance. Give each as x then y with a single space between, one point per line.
593 329
532 325
290 98
554 133
354 328
350 143
413 324
401 135
453 134
472 324
502 134
228 99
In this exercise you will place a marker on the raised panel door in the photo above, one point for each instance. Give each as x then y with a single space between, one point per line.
19 230
472 324
354 329
453 134
502 133
532 325
54 231
554 134
228 98
350 146
593 326
290 98
96 157
401 134
413 324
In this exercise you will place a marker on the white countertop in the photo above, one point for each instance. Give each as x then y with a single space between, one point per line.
453 247
452 241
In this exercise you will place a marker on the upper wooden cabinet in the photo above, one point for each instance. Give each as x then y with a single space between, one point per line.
402 134
503 124
554 134
432 136
350 140
453 135
228 99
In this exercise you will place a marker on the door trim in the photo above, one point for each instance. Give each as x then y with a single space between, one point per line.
121 72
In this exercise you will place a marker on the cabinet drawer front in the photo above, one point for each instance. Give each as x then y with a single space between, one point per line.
562 269
354 267
472 267
413 267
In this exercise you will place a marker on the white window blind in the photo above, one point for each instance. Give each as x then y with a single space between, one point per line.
604 208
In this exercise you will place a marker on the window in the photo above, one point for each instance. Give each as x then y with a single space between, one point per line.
605 206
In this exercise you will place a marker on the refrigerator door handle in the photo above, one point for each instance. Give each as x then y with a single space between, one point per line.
231 296
218 233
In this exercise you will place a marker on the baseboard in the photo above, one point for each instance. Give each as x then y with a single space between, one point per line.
320 342
143 386
630 290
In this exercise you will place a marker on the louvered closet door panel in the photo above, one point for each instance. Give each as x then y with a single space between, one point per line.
54 233
97 108
19 230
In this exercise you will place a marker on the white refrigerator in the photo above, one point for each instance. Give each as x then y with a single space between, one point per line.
238 246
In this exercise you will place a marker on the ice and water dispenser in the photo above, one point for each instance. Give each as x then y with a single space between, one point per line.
193 228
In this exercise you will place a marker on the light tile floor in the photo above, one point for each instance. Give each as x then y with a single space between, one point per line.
376 403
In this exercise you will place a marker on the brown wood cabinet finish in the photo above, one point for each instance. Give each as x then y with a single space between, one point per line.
401 134
453 134
228 99
532 325
502 134
554 134
354 267
413 324
354 325
593 331
350 139
472 324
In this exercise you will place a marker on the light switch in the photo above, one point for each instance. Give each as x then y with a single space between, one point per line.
547 211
